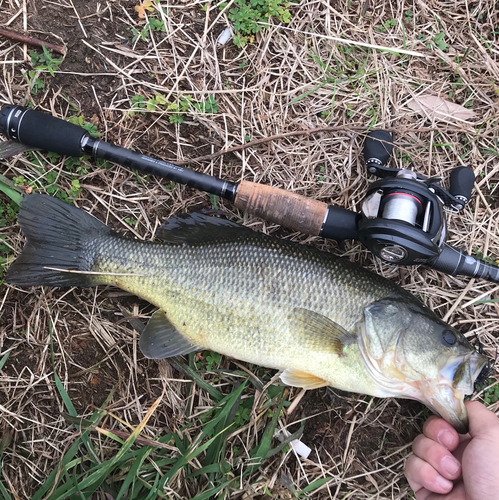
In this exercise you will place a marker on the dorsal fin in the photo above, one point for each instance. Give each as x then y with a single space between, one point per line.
194 228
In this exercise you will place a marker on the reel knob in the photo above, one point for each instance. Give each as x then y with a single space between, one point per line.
462 180
378 148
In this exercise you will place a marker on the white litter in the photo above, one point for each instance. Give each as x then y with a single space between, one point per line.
300 448
225 36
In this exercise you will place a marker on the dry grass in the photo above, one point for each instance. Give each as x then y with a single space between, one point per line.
293 77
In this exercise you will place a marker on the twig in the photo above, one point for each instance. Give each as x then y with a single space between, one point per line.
355 42
311 131
79 19
272 138
34 42
25 27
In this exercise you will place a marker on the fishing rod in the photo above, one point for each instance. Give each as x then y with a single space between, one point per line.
401 221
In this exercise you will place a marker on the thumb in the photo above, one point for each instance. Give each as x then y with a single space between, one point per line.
482 421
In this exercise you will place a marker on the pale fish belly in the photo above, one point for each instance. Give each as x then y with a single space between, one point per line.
269 340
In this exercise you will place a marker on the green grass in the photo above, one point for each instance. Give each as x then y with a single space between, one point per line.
208 106
47 177
8 215
345 72
154 22
9 189
45 61
175 110
202 454
491 395
199 453
36 84
248 17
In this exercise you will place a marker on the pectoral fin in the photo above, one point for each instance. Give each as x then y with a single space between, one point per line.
297 378
321 332
161 339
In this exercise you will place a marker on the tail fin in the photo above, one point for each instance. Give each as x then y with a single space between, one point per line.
58 237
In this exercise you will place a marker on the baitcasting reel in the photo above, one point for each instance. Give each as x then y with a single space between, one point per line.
402 218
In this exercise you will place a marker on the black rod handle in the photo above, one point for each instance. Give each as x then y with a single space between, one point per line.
41 131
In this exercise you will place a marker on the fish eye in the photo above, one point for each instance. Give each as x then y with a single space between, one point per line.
449 337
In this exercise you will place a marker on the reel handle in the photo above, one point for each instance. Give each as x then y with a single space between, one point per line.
378 148
462 180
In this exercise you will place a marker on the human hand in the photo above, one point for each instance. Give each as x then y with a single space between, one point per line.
448 466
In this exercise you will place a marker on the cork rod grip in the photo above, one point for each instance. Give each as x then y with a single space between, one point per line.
288 209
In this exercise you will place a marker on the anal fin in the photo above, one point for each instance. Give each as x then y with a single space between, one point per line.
161 339
298 378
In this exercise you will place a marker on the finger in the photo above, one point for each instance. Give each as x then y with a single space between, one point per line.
422 476
482 421
461 448
439 430
438 456
457 493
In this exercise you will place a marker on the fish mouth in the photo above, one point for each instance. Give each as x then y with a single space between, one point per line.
445 395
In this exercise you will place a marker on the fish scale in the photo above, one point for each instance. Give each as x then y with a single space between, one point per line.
217 294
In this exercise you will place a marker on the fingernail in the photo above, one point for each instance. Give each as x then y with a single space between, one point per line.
444 483
446 438
451 465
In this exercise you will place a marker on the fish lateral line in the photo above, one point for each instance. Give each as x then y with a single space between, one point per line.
97 273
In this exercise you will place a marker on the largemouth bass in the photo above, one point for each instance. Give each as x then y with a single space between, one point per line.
220 286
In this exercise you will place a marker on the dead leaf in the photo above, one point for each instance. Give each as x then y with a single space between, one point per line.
141 8
436 108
